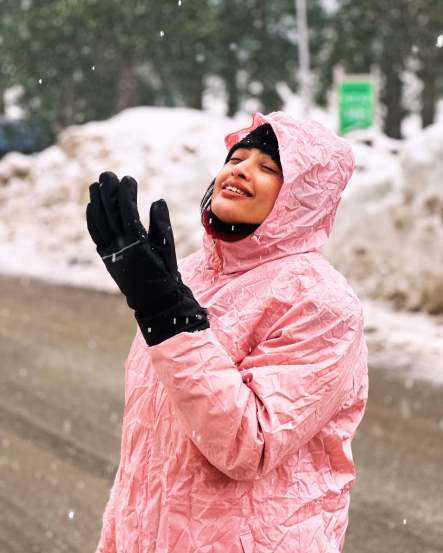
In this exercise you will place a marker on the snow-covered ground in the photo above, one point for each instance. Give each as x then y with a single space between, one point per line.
387 239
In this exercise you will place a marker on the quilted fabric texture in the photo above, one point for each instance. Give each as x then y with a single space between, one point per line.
237 438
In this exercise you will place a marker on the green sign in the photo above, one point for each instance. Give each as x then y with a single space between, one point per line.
356 101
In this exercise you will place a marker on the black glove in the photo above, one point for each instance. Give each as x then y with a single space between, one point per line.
143 264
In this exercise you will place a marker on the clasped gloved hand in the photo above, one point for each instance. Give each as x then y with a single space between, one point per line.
143 264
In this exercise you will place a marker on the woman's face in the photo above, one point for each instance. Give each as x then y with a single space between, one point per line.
257 175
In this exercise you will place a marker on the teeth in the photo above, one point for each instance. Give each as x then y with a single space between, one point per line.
235 189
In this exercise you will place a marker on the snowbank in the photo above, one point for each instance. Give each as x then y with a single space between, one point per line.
388 234
405 343
387 238
173 154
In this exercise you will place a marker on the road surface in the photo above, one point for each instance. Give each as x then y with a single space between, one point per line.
61 391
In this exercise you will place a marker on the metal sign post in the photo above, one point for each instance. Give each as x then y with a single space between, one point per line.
303 54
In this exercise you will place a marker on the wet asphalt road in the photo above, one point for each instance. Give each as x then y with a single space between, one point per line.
61 392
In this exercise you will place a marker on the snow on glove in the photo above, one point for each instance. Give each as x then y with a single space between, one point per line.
143 264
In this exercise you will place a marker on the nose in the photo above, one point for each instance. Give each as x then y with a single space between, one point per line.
241 169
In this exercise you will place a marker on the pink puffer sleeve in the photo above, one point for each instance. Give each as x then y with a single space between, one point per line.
246 419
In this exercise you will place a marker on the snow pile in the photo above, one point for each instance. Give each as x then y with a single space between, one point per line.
388 234
386 240
410 344
172 153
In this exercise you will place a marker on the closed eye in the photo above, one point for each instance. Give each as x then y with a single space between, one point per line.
270 169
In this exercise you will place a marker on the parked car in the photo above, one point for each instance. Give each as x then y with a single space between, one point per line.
23 135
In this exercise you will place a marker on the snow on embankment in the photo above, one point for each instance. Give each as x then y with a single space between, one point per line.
173 154
387 239
388 235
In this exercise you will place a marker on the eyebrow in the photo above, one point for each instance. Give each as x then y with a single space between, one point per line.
262 154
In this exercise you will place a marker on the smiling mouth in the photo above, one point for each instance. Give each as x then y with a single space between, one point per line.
229 194
235 190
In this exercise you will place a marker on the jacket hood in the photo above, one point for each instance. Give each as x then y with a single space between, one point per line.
316 165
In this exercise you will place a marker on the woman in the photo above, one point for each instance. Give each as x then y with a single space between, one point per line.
239 415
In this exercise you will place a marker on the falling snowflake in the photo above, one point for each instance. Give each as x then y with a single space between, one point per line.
67 427
439 42
162 33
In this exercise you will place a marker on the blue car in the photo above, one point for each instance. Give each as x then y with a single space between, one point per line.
23 135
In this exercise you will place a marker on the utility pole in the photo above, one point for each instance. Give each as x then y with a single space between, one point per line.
303 54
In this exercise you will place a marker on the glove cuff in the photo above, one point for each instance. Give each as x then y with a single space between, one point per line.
186 316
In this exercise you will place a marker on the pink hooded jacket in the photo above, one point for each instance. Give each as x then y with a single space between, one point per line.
237 438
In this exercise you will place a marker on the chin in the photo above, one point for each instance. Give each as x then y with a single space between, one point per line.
227 215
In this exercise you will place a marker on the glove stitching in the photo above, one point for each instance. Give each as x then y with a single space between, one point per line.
114 255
